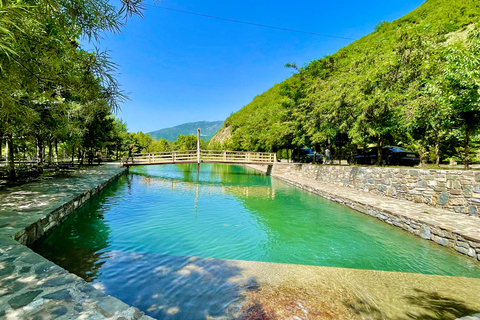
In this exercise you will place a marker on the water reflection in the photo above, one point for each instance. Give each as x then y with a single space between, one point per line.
79 244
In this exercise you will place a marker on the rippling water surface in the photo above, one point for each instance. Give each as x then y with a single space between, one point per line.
137 238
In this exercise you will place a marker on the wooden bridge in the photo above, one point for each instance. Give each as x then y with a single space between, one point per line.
200 156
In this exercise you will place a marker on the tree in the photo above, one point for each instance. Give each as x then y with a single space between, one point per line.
459 85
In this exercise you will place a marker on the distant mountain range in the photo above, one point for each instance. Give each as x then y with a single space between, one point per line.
207 130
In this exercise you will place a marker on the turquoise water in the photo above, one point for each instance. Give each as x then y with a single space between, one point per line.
153 220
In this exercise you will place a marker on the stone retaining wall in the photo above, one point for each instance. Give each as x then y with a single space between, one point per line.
37 229
454 190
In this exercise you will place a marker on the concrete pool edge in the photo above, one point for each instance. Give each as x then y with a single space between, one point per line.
32 286
449 229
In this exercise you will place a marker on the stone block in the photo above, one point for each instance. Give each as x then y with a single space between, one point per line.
440 240
414 173
443 198
472 210
466 182
452 177
477 177
462 244
432 183
455 191
467 190
422 184
476 189
471 252
425 232
460 209
462 250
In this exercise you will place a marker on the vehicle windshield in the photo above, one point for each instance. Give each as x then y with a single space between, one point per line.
396 149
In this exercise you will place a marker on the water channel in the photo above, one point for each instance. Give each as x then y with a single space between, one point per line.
148 238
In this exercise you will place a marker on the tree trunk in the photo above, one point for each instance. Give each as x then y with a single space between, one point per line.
437 152
56 150
10 158
73 154
379 150
50 151
80 156
39 150
467 149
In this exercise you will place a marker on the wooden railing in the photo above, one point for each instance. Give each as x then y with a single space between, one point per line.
205 156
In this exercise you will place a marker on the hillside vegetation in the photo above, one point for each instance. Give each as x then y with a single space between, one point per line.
412 82
207 130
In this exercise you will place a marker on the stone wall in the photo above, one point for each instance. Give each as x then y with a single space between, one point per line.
47 223
454 190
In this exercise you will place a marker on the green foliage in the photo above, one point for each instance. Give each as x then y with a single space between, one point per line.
412 82
207 130
52 92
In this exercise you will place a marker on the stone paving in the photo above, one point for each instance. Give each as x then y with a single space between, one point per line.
447 228
32 287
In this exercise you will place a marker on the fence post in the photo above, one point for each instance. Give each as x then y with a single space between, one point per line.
173 156
274 157
225 156
198 145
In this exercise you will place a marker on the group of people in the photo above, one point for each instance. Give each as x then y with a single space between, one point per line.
91 156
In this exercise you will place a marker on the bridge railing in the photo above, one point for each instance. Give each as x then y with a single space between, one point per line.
163 157
205 156
236 156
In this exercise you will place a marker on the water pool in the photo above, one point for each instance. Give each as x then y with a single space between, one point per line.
156 218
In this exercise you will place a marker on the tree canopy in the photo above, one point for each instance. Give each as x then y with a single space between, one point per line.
52 91
412 82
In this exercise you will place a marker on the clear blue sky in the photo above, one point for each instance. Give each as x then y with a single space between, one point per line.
181 68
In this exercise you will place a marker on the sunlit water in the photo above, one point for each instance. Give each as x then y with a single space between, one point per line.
135 240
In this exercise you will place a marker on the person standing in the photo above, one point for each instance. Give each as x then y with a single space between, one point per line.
327 156
90 156
99 156
130 153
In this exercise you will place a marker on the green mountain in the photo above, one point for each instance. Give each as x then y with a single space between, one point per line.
412 82
207 130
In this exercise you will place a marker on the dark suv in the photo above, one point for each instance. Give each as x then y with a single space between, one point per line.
390 156
306 155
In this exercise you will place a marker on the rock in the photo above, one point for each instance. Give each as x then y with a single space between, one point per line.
425 232
472 210
60 311
23 299
57 281
59 295
443 198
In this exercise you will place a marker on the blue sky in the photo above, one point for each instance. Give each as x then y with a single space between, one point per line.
179 68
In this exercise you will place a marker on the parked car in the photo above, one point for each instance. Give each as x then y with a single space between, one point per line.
390 156
306 155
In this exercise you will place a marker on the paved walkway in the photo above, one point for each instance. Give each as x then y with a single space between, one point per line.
455 230
32 287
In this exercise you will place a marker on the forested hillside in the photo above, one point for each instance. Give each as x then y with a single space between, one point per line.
207 130
412 82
